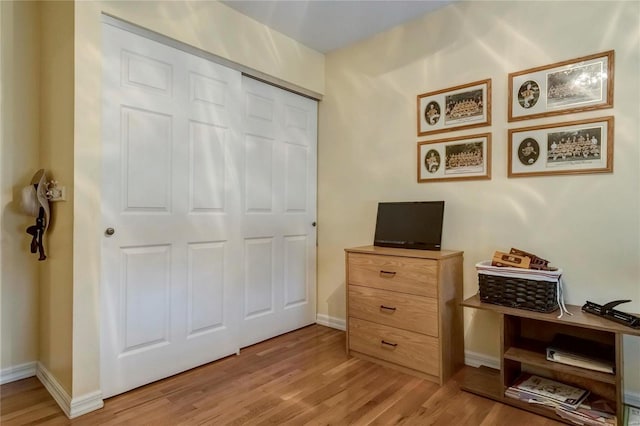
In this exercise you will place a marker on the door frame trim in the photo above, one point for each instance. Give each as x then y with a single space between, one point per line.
248 71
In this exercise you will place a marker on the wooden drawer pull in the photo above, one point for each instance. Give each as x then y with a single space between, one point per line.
388 308
387 273
384 342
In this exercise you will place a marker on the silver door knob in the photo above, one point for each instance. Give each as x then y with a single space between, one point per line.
109 231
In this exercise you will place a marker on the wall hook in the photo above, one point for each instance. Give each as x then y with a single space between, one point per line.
54 192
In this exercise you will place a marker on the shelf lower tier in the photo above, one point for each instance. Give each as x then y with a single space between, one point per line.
485 382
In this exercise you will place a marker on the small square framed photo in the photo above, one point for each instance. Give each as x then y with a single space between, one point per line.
455 108
460 158
576 85
575 147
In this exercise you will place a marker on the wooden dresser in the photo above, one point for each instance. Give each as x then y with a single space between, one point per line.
403 309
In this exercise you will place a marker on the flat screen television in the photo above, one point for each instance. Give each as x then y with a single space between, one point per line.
410 224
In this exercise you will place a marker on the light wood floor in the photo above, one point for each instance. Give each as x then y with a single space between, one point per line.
303 377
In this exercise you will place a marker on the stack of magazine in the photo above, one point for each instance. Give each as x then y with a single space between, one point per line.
539 390
569 402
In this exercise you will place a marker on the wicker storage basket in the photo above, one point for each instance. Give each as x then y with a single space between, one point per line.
519 288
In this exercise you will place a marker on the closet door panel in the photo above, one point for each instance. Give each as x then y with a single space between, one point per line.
280 186
171 273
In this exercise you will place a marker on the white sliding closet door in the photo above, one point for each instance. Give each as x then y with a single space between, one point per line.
280 139
209 203
171 169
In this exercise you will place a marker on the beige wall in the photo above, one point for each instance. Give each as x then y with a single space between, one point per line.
210 26
220 30
56 153
37 132
19 132
588 225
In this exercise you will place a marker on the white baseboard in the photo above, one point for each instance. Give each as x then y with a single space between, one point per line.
332 322
86 403
475 359
17 372
71 407
55 389
632 398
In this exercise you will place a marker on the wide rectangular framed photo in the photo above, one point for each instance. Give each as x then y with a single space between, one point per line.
455 108
576 85
459 158
574 147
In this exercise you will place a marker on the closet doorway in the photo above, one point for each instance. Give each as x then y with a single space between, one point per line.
209 209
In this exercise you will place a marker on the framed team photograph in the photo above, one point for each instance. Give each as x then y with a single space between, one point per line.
455 108
460 158
576 85
575 147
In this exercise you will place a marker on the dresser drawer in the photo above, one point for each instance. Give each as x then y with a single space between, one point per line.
403 274
401 347
406 311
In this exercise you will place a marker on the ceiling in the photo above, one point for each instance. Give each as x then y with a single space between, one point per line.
326 25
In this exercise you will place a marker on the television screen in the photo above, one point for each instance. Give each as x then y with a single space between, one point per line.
412 224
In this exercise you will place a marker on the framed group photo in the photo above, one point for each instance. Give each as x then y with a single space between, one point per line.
575 147
576 85
460 158
455 108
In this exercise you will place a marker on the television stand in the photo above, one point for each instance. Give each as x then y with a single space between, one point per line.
524 338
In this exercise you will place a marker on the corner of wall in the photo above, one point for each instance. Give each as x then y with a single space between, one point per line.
333 322
72 407
56 155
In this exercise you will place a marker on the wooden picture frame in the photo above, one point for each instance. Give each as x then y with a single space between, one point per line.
459 158
460 107
567 87
574 147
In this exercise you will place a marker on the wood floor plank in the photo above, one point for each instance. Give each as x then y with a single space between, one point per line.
300 378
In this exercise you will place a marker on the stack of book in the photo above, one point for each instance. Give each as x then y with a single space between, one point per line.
569 402
582 353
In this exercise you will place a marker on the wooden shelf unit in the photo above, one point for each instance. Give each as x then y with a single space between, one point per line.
523 340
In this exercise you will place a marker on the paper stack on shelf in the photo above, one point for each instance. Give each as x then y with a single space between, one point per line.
539 390
569 402
572 350
582 418
592 411
631 416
